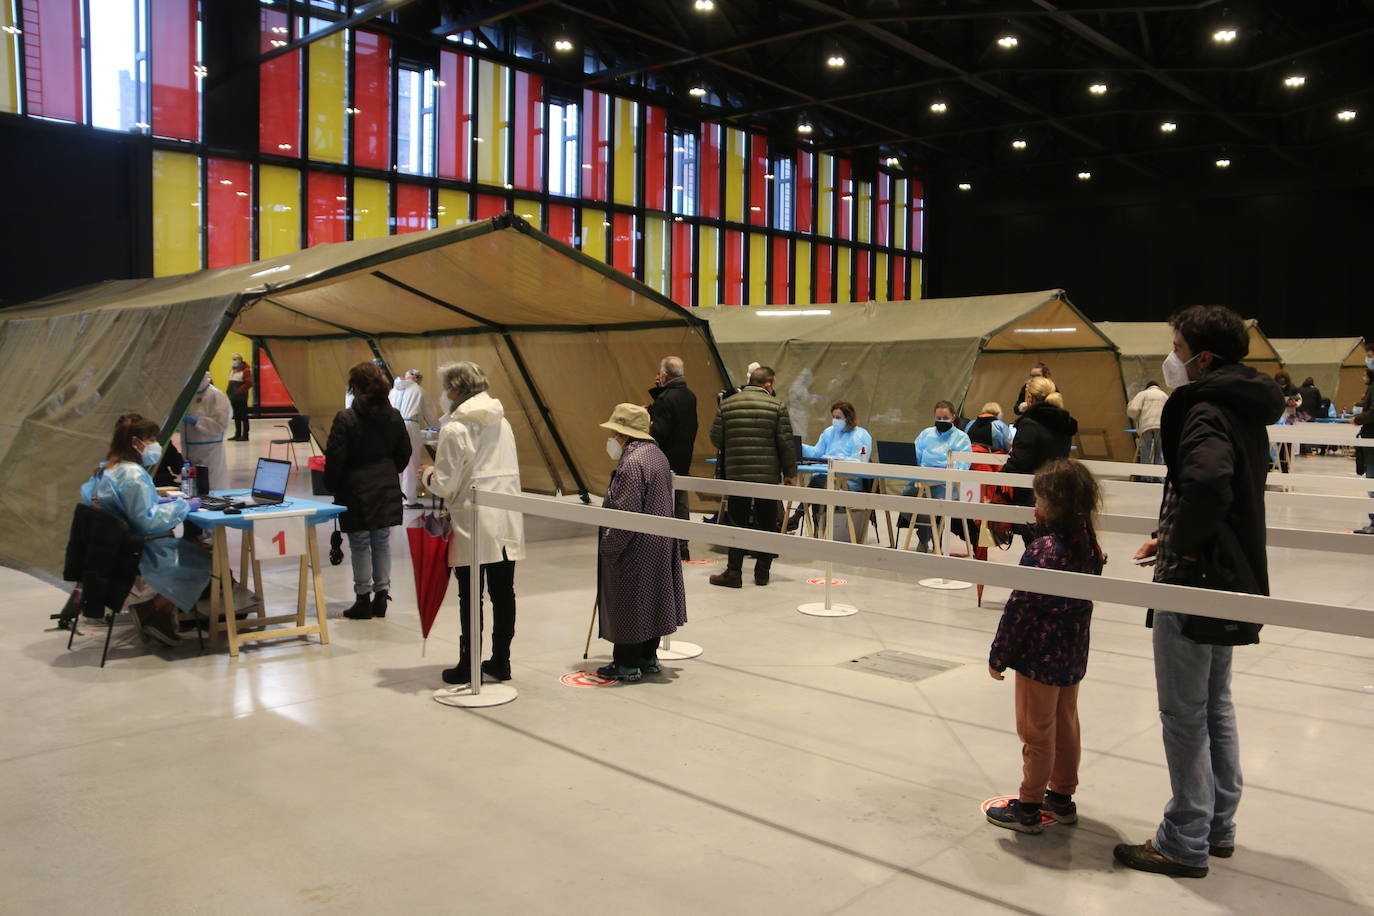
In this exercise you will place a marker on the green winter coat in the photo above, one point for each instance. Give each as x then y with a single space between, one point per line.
754 434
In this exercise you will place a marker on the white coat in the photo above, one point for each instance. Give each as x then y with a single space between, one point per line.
1146 408
203 441
409 400
477 448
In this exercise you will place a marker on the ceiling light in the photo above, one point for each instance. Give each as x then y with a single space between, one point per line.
1018 144
1223 163
1168 127
562 44
704 6
790 313
697 91
892 161
835 60
1224 36
939 107
679 149
479 139
805 127
241 193
1098 88
283 146
1295 81
14 30
769 176
756 209
225 181
1346 114
1008 41
201 71
965 186
1085 176
440 84
278 43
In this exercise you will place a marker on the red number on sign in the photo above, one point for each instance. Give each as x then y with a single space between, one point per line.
280 540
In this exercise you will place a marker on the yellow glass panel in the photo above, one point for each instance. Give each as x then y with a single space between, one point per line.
594 226
801 280
735 145
913 289
328 83
844 258
371 208
176 213
899 210
825 203
708 266
453 207
9 53
863 231
626 138
882 289
656 253
758 268
223 359
493 122
279 210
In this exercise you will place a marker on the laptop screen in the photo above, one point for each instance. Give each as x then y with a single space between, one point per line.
271 477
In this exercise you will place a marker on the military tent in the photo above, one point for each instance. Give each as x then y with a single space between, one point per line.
1145 344
1336 365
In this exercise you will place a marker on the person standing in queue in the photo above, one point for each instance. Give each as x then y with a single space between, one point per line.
1144 411
754 433
240 386
1211 535
1023 402
477 448
640 592
409 400
1364 418
202 434
673 419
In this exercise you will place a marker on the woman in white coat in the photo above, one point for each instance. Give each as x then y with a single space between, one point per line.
202 433
477 448
409 399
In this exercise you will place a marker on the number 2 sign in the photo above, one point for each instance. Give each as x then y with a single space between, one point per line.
278 536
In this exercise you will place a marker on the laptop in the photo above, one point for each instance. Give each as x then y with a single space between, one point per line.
269 484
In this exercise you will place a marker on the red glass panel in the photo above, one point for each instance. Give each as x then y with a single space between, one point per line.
758 185
683 263
898 278
782 272
562 223
372 99
279 91
596 143
412 208
623 242
270 391
844 192
176 101
883 208
708 171
918 216
489 205
655 158
824 290
52 59
806 185
863 288
326 208
455 116
529 132
734 268
228 212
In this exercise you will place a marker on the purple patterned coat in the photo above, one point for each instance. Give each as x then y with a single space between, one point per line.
642 595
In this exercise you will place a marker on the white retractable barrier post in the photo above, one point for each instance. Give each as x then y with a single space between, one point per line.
471 695
828 608
952 493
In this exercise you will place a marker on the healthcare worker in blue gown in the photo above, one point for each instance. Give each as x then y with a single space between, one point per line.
173 572
842 440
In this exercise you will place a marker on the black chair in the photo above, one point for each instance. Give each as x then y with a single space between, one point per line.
299 427
895 452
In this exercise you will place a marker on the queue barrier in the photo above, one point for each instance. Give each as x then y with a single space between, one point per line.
1317 434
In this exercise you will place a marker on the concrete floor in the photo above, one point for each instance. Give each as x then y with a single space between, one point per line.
766 776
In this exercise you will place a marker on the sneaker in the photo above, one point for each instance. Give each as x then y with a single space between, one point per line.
731 578
1367 529
1065 812
614 672
1146 858
652 667
1014 817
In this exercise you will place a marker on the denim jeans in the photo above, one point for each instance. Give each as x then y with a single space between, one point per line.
370 552
1200 743
1369 475
1151 449
924 532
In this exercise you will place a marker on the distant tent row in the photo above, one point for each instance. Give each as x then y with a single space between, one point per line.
1144 345
1336 365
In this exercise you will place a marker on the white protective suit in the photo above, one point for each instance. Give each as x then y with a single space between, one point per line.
409 400
203 441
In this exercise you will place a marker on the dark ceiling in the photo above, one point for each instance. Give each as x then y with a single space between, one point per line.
764 63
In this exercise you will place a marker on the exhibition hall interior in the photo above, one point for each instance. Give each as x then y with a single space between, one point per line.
676 456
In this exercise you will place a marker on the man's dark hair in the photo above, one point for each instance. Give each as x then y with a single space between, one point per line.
1307 382
946 405
1214 329
1152 384
761 376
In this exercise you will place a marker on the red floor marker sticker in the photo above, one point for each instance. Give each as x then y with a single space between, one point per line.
1002 800
820 580
584 679
700 562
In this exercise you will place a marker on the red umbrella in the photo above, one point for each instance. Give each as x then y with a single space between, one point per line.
429 536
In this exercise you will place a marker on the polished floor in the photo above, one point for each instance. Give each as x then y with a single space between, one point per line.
767 776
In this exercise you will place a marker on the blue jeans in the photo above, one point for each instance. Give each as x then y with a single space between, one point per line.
1369 475
924 533
370 552
1200 743
1151 449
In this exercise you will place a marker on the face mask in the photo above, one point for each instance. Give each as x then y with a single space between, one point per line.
614 448
1369 363
1176 371
837 425
943 426
445 403
152 454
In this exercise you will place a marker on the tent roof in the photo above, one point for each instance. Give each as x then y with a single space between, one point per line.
1154 338
1336 351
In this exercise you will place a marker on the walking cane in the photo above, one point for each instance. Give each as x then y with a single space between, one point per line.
596 605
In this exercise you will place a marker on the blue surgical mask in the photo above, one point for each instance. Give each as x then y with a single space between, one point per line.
152 454
837 425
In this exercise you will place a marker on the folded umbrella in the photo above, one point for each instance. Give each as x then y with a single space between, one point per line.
429 536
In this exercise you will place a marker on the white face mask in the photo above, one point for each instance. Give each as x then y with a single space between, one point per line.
1176 371
837 424
614 448
1369 363
445 403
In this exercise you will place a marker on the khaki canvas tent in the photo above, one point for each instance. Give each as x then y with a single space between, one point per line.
894 360
1336 365
1145 344
562 336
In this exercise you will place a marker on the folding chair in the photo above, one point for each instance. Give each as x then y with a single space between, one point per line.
299 427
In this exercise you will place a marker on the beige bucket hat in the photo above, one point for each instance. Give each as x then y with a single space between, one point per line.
629 420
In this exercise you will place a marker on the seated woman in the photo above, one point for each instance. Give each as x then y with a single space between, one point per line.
990 431
843 440
172 572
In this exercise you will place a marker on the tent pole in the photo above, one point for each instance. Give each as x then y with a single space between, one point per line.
183 400
548 420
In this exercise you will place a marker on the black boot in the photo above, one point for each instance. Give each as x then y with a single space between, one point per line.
498 666
458 674
762 566
361 609
379 601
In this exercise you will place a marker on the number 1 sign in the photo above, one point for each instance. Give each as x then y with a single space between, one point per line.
278 536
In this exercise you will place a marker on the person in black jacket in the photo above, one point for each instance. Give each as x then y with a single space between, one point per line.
1364 418
673 419
1211 535
368 447
1044 432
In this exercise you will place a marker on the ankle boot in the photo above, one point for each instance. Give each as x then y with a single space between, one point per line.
361 609
731 578
379 601
498 666
458 674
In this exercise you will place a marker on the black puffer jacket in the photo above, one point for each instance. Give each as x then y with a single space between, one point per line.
1043 434
754 433
673 413
1364 417
368 447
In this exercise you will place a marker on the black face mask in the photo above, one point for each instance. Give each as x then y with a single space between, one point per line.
943 426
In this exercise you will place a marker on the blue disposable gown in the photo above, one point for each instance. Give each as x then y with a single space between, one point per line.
843 445
176 569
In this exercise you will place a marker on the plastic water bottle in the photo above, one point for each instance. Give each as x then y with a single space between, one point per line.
188 485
